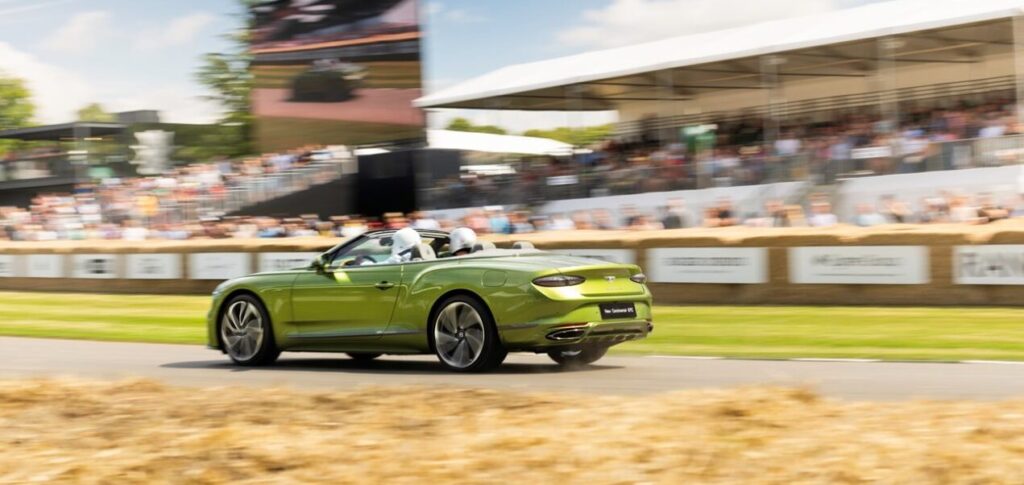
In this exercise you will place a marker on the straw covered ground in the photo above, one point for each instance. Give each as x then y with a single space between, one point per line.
142 432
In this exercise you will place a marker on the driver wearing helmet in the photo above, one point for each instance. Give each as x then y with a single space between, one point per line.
461 241
402 245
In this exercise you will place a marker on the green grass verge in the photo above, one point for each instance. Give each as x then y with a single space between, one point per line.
735 331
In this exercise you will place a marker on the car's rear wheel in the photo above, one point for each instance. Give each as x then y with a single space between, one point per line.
363 356
578 356
464 336
246 333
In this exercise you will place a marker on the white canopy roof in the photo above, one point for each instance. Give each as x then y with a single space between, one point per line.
486 142
843 26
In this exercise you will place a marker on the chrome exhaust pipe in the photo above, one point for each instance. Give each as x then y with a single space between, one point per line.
567 334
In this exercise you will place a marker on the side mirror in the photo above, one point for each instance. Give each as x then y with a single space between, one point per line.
319 264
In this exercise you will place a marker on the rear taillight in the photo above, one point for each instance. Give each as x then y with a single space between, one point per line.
559 280
638 278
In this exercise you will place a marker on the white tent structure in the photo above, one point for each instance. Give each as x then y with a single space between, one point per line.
878 53
491 143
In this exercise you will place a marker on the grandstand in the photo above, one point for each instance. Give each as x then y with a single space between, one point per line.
874 90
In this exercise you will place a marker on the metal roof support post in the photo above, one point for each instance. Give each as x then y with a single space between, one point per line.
770 82
668 90
889 102
888 95
1018 64
575 104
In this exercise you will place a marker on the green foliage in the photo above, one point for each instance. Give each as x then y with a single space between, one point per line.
575 136
462 124
199 143
95 112
228 76
16 108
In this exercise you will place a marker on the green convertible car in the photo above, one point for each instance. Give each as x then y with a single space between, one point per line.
469 310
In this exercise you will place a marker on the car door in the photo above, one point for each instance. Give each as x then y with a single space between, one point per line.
347 302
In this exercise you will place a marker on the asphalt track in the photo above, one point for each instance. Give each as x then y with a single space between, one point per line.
198 366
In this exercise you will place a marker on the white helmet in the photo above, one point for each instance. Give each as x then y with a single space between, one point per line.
403 241
461 238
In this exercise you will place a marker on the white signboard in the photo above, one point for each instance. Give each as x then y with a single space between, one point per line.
94 266
998 264
708 265
625 256
218 266
859 265
283 261
165 266
6 265
44 266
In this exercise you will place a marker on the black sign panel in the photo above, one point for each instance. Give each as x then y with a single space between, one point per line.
617 310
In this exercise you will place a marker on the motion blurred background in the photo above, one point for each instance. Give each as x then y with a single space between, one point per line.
638 115
774 167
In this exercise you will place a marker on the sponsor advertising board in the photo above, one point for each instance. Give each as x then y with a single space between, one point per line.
283 261
708 265
6 265
44 266
218 266
859 265
997 264
154 266
94 266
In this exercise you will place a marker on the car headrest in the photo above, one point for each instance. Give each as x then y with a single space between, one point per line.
423 252
522 245
483 246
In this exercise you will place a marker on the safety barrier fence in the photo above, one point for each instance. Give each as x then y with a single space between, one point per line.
892 265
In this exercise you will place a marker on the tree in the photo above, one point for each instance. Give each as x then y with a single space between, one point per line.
16 108
575 136
462 124
228 77
95 112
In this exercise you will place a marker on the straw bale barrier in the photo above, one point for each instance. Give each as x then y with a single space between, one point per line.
144 432
776 288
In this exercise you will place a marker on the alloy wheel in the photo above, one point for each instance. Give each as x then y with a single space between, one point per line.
242 330
459 334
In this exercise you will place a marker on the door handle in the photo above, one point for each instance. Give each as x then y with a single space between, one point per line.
384 285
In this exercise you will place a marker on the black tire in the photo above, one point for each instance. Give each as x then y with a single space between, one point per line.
579 356
267 351
491 352
363 356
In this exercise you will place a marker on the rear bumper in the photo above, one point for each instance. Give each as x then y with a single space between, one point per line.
607 332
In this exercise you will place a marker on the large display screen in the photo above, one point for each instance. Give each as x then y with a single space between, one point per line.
336 72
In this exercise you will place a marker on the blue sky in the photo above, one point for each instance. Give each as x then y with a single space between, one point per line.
136 54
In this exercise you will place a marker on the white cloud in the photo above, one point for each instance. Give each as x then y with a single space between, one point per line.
437 11
177 104
81 33
626 22
56 92
179 31
31 5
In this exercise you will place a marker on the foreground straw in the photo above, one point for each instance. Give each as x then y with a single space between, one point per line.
144 432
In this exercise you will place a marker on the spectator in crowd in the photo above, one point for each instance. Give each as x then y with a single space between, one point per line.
868 216
674 215
821 215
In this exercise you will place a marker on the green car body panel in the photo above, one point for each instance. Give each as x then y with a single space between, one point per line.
350 309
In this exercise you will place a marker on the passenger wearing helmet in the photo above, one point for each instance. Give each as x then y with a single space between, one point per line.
402 245
461 241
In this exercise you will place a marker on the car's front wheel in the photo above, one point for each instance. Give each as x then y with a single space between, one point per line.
464 336
246 333
578 356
